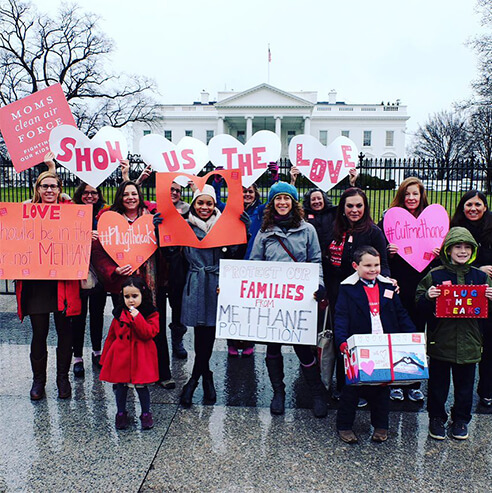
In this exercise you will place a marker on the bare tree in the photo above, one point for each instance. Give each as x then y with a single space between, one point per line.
37 51
480 127
444 139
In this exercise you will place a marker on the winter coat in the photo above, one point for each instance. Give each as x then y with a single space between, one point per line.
323 220
130 354
457 340
352 314
255 213
302 242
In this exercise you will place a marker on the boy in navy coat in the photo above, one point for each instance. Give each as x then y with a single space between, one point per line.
367 304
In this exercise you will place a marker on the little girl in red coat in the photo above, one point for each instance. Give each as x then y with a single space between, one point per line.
129 356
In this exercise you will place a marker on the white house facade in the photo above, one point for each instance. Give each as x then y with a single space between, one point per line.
377 129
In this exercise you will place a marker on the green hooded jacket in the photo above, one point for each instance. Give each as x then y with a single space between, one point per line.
458 340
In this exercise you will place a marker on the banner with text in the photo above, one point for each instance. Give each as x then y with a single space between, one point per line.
267 301
462 301
42 241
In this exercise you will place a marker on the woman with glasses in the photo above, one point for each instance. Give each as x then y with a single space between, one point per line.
40 298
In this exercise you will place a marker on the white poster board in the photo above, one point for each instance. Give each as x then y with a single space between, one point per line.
267 301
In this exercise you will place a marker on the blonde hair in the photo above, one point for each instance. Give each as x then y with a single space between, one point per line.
46 174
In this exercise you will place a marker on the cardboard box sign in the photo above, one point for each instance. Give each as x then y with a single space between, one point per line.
385 358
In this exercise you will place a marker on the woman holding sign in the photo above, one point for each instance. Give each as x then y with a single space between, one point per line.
472 213
40 298
286 237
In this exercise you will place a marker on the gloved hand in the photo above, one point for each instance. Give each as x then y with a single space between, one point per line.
157 219
273 168
344 348
320 294
245 219
218 178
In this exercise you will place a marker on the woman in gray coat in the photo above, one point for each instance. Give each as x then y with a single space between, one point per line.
286 237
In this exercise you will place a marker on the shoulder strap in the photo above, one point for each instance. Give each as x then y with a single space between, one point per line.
289 253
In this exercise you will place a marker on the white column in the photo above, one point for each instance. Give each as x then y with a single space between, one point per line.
220 125
307 125
278 126
249 127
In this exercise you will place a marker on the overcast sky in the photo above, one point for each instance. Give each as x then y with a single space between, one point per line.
367 51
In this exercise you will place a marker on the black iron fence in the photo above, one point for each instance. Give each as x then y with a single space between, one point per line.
378 177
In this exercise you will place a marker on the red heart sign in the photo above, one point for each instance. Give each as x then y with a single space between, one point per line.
174 230
127 243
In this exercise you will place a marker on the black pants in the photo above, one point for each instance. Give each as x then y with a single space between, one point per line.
204 345
175 294
95 303
484 388
439 380
303 352
161 338
378 398
40 327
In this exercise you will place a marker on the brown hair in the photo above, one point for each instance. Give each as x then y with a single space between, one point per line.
269 215
46 174
342 224
399 200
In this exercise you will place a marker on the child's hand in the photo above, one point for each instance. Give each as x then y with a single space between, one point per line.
133 311
433 292
488 293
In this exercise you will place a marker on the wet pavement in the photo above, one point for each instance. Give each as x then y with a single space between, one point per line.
234 446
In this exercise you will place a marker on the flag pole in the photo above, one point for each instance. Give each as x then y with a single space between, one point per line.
269 60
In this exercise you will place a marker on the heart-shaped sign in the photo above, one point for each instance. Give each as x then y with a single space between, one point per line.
92 160
175 230
189 156
416 237
367 367
127 244
323 166
251 158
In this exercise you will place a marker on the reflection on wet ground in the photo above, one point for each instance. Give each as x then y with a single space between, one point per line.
236 445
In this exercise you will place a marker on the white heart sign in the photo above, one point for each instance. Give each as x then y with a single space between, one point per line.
189 156
91 160
323 166
251 158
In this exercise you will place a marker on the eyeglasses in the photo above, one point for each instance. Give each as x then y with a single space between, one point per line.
47 187
90 193
175 190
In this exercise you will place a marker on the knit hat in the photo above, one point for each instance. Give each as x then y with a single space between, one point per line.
281 187
207 190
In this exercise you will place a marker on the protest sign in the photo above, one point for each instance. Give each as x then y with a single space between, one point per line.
416 237
127 244
92 160
189 156
268 301
323 166
27 123
462 301
174 230
251 159
45 241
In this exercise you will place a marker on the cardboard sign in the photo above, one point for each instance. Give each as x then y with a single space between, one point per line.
92 160
268 301
251 158
416 237
27 123
382 358
189 156
175 231
127 244
323 166
462 301
44 241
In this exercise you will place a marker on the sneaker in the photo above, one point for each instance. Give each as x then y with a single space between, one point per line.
168 384
249 351
347 436
485 401
362 403
147 421
380 435
437 429
78 369
396 395
415 395
232 352
459 430
121 421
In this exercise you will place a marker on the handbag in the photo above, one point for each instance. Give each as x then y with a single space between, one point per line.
91 281
326 350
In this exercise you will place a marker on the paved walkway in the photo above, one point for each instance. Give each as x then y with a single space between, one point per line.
234 446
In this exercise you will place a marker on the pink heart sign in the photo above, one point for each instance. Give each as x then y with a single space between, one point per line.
189 156
91 160
251 158
323 166
416 237
127 243
367 367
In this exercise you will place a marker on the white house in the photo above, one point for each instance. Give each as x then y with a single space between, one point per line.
377 129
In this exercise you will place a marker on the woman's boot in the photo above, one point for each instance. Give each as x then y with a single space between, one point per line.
63 360
275 368
209 393
38 377
188 391
318 390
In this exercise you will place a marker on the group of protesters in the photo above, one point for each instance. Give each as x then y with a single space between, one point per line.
364 284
